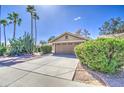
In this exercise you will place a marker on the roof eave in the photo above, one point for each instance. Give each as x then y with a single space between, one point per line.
69 34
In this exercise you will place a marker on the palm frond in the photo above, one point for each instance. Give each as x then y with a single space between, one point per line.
30 9
4 22
35 16
19 21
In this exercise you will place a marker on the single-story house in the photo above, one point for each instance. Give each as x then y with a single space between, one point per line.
66 42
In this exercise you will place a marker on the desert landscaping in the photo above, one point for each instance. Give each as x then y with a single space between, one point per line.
69 59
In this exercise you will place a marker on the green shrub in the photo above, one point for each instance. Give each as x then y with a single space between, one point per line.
39 49
20 46
104 55
2 50
46 49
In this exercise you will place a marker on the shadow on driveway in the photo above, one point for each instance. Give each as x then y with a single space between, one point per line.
65 55
13 61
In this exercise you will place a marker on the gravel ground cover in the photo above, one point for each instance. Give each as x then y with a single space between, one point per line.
82 75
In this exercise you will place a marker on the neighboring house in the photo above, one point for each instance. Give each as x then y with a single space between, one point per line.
121 35
66 42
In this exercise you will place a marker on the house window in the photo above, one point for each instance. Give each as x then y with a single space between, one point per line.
66 37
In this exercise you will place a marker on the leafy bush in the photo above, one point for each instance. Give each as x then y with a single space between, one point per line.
2 50
20 46
46 49
39 49
104 55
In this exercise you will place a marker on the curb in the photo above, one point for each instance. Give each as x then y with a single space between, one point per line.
75 72
100 78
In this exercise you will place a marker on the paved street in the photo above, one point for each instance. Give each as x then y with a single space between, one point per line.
47 71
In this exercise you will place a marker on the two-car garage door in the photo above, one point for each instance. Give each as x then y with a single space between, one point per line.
65 48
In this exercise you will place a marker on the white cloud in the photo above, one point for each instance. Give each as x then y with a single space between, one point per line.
77 18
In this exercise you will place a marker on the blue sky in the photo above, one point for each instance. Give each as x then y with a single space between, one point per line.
55 20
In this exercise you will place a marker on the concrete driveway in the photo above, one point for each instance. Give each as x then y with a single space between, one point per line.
50 70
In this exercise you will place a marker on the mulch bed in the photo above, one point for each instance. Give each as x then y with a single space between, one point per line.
83 75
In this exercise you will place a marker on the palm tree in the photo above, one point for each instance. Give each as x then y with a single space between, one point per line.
14 18
36 17
31 10
0 25
4 23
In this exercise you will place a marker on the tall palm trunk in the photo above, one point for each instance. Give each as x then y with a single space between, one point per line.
31 26
35 32
32 31
14 31
0 25
0 33
4 36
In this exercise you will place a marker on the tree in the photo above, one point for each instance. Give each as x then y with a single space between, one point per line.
112 26
83 32
51 38
14 18
31 10
0 25
86 33
4 23
42 42
36 17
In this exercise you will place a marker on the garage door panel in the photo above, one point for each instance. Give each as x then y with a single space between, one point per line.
65 48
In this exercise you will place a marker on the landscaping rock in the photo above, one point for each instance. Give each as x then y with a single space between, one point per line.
82 75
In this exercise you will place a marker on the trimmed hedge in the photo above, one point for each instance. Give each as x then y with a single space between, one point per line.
104 55
46 49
